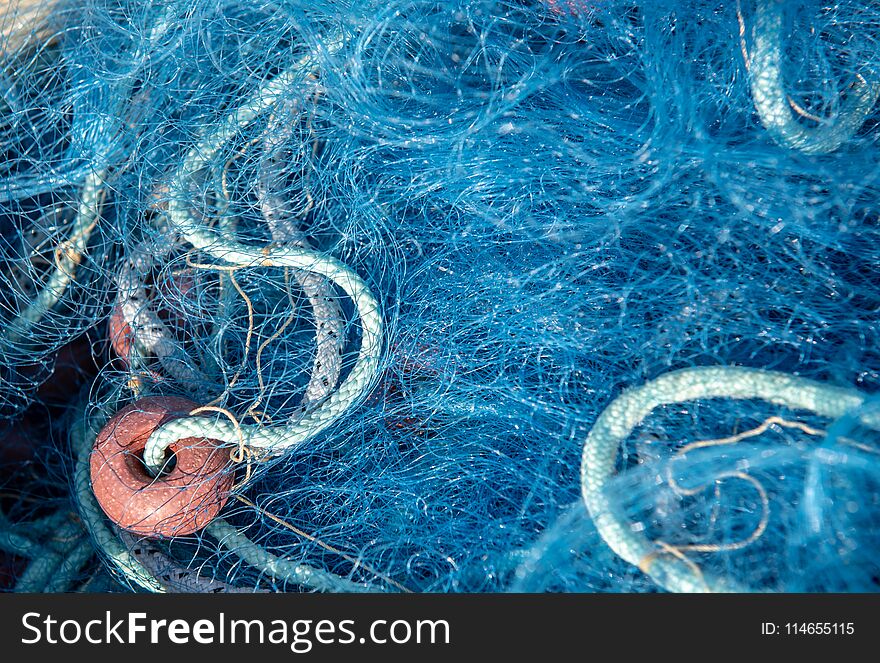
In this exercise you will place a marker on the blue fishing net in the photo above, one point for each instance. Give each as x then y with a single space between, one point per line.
475 296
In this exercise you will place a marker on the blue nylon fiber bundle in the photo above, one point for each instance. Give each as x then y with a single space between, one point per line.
468 296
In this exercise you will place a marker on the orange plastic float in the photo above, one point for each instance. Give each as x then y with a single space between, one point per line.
184 498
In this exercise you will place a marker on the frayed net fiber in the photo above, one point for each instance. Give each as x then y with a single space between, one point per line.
465 296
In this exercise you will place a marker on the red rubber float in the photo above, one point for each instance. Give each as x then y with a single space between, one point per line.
178 502
121 336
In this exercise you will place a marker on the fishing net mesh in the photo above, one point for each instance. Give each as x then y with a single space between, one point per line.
549 205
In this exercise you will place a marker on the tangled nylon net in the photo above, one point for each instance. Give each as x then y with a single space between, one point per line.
471 296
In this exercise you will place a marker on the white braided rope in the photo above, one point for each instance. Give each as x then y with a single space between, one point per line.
621 417
771 101
149 333
326 311
225 248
